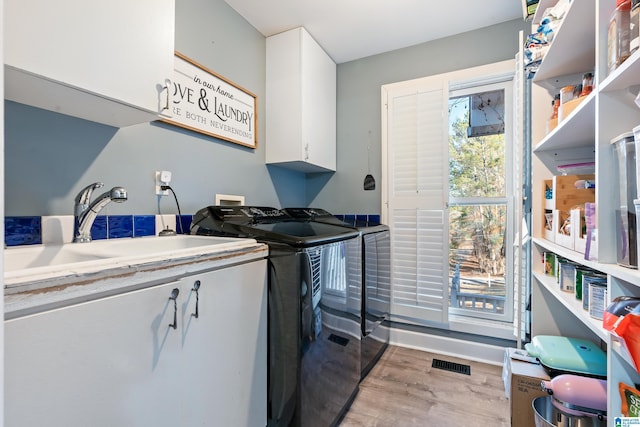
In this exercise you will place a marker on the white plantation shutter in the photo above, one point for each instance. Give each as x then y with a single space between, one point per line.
417 150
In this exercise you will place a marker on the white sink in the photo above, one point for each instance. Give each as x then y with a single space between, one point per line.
39 263
25 257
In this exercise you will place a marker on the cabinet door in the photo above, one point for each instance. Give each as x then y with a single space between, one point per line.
318 104
60 52
108 362
224 364
301 100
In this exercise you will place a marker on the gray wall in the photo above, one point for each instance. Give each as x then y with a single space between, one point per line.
359 106
50 157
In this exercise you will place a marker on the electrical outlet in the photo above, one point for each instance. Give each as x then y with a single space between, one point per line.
162 178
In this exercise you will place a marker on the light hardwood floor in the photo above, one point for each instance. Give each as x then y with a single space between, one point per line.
404 390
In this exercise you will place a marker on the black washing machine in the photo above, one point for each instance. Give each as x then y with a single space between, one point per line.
314 311
373 275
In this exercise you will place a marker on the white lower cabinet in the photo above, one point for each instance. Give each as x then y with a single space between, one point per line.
118 361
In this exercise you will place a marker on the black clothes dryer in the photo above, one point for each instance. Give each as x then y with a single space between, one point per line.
374 277
314 312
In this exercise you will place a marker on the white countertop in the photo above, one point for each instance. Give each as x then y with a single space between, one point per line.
40 277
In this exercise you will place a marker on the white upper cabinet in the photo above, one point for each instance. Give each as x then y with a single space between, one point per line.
300 103
108 62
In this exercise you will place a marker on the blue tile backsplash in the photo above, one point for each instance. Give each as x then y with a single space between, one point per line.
99 229
120 226
27 230
144 225
184 224
352 218
22 230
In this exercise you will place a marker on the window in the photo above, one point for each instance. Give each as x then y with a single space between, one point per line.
480 201
438 213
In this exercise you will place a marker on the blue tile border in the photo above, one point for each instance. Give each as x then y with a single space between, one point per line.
27 230
185 222
374 218
22 230
144 225
99 228
120 226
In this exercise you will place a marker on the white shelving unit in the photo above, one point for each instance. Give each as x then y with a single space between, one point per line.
580 46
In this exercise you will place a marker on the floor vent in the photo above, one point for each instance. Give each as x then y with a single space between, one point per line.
451 366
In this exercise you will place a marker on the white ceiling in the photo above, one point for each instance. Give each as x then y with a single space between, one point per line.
353 29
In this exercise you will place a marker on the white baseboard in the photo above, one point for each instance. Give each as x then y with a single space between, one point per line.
479 352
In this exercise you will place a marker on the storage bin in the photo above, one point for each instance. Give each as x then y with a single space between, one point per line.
562 229
548 204
625 165
591 242
579 228
560 196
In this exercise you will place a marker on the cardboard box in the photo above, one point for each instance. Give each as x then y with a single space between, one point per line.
522 385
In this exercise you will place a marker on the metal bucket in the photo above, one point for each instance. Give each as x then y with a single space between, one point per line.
548 415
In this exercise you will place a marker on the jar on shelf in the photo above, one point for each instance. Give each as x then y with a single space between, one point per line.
566 94
619 35
553 120
587 83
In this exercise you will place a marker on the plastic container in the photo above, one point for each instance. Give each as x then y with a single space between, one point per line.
619 35
587 82
636 139
636 204
626 234
553 120
576 168
591 244
634 24
567 94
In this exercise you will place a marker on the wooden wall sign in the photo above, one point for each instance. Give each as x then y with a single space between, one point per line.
205 102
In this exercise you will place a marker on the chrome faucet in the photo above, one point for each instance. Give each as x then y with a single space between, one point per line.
85 212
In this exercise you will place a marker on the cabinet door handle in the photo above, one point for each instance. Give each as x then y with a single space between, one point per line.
174 297
196 287
167 85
